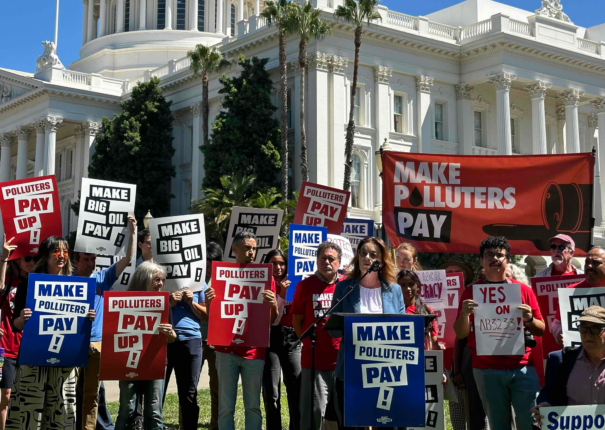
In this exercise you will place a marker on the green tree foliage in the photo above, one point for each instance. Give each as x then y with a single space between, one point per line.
135 147
245 133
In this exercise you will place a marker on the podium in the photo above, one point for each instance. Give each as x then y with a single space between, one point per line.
337 319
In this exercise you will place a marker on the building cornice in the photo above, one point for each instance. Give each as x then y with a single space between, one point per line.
56 94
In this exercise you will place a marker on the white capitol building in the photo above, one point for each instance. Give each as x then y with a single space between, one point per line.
479 77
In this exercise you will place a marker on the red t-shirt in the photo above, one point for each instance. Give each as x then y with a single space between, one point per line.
501 362
555 272
286 318
312 298
246 352
583 284
11 341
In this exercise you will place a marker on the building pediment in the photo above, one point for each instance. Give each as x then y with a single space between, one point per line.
14 84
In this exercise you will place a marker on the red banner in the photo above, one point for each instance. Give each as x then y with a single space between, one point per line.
548 299
322 206
31 212
238 316
450 203
133 349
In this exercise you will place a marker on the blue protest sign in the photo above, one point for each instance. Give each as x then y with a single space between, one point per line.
302 253
357 229
384 371
58 332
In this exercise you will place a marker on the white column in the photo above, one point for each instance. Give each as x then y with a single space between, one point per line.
228 20
102 18
85 22
317 117
90 131
593 124
40 126
219 16
599 105
465 119
423 100
193 15
572 124
142 14
383 111
196 154
23 134
561 144
79 133
168 19
256 7
338 108
503 82
5 157
91 17
537 91
120 17
50 143
240 10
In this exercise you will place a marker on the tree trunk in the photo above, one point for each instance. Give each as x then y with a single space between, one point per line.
284 114
205 109
302 60
351 125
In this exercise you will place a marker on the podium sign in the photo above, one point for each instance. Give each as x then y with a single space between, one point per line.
384 371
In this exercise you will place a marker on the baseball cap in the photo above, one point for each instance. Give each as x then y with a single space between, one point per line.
469 275
593 314
564 238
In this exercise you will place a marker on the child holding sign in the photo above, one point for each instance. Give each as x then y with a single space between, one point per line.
40 392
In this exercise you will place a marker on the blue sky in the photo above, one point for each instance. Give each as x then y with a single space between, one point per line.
26 23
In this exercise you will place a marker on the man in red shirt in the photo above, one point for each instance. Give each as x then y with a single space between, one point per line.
502 380
233 361
562 248
594 269
312 299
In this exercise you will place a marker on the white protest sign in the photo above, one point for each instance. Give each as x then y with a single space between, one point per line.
434 293
573 417
572 302
179 244
103 216
433 378
264 223
122 282
498 322
345 246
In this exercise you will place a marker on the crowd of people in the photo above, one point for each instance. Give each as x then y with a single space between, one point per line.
496 389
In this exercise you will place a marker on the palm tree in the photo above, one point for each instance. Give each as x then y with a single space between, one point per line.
356 13
206 60
277 12
306 21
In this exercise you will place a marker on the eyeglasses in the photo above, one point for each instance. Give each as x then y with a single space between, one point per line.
561 247
491 256
369 254
595 330
57 254
29 259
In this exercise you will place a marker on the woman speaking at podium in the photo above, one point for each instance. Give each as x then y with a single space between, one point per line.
377 293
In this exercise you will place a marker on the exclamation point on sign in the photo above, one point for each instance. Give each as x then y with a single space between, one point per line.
238 326
518 323
55 343
34 237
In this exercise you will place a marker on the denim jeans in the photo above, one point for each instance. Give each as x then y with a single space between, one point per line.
209 356
152 407
499 389
230 367
324 385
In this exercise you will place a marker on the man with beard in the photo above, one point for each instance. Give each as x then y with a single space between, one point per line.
502 380
594 270
562 248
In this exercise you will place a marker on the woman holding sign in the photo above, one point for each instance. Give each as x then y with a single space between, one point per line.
41 393
148 277
377 293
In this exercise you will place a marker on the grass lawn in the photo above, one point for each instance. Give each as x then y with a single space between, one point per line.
171 410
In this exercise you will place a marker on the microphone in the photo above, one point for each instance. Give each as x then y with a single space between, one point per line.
375 267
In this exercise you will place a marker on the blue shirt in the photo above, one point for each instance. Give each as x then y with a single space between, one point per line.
105 280
186 324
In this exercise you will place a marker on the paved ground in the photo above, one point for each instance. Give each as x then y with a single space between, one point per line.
112 391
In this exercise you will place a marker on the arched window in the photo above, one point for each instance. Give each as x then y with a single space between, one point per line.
127 15
180 14
201 13
356 200
161 14
232 20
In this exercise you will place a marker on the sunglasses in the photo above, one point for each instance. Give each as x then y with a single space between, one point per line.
57 254
594 330
561 247
28 259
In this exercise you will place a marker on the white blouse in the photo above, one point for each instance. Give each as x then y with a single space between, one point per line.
370 300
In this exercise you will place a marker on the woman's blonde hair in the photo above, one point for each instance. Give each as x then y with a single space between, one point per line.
407 246
387 269
143 276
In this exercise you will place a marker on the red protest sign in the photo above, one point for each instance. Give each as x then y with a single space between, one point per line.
453 292
546 292
238 316
322 206
31 212
449 203
133 349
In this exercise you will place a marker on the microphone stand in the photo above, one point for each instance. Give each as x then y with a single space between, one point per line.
311 333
